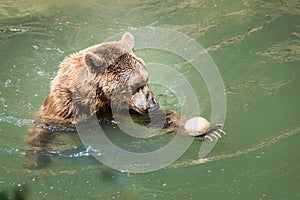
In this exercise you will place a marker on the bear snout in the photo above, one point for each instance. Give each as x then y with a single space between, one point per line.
143 101
153 105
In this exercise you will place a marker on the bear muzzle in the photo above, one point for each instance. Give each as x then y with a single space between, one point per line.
153 106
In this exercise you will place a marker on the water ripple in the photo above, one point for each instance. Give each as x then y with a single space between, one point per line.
20 122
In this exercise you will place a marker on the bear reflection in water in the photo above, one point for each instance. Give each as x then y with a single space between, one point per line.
103 79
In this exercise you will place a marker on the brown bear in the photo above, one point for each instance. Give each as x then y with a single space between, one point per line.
101 79
91 77
94 80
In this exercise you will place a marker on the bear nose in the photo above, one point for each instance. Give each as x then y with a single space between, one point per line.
153 105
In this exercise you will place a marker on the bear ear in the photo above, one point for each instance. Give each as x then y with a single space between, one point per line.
94 63
128 41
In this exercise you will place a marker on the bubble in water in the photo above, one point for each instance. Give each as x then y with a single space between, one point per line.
41 73
35 47
7 83
3 102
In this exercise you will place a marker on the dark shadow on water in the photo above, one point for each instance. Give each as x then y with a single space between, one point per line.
108 176
19 193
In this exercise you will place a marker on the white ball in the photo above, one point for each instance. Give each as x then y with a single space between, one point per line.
197 126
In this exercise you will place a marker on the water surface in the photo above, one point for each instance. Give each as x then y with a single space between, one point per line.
256 46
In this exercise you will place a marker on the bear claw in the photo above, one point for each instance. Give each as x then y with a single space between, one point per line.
213 133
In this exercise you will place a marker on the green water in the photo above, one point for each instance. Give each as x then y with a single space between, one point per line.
256 46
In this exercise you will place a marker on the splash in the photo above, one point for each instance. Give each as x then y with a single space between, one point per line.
20 122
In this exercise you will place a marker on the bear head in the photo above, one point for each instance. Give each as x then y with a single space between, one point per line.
120 75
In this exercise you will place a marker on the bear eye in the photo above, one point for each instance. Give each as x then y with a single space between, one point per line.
137 88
